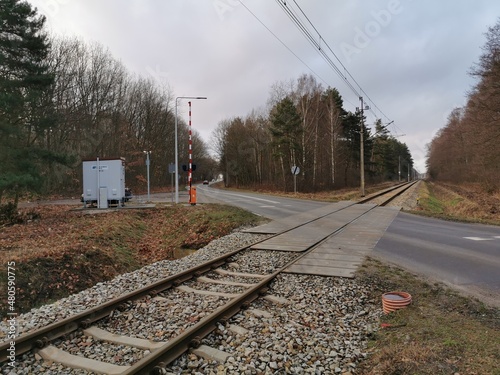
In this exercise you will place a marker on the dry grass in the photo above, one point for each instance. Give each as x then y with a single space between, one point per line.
441 332
65 251
466 203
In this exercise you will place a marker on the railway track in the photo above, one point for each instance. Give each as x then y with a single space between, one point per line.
384 197
223 288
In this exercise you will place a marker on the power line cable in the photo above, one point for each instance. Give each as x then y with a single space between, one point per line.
289 49
317 44
283 43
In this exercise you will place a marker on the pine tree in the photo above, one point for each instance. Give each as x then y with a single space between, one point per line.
286 132
24 79
286 129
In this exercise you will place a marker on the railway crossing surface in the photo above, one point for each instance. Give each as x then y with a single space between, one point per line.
335 239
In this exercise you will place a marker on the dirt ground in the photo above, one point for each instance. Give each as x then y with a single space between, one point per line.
59 250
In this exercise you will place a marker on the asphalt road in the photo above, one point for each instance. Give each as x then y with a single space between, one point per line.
269 206
464 256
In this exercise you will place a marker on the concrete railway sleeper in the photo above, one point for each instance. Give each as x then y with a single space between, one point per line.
227 288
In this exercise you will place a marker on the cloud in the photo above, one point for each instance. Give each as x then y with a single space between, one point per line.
411 58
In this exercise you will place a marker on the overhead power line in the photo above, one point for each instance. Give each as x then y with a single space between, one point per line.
317 41
316 44
288 48
321 46
283 43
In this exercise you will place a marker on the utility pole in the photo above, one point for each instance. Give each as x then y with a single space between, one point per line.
399 168
147 166
362 149
190 152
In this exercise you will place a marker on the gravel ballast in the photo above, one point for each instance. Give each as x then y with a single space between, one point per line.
323 327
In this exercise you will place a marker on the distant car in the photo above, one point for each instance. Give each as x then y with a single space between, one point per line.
128 194
205 182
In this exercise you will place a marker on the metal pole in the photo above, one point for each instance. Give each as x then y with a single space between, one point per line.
176 145
399 168
149 190
98 192
362 150
190 151
147 164
176 157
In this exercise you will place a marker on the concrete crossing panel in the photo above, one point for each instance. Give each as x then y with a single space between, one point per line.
322 271
341 254
306 236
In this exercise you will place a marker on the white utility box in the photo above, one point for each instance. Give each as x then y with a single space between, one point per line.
104 182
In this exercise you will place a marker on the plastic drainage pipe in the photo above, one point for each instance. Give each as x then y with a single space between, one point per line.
393 301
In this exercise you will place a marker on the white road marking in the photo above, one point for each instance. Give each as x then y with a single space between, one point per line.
249 197
480 238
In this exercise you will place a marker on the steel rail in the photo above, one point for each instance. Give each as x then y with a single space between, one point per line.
381 192
159 359
155 362
43 336
397 194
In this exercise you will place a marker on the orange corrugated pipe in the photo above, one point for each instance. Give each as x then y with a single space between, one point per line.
393 301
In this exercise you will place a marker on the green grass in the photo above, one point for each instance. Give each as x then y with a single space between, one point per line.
431 203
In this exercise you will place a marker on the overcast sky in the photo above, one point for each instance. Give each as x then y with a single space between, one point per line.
411 57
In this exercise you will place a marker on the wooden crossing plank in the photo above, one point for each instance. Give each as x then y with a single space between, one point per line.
335 257
344 250
278 247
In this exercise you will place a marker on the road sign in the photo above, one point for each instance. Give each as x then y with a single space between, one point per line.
295 172
171 168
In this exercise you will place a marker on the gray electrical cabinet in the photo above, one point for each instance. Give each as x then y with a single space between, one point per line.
103 182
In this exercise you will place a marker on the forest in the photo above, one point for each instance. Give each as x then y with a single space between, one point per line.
63 100
306 126
466 149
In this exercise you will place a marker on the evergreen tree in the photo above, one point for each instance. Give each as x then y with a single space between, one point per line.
24 124
286 132
286 128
